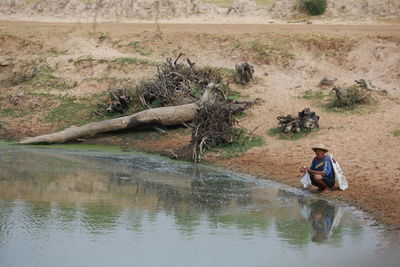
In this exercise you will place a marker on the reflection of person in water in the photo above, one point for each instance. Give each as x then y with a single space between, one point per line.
321 217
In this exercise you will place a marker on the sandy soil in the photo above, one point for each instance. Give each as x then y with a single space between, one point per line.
364 143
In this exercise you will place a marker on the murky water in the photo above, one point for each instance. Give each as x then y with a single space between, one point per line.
105 208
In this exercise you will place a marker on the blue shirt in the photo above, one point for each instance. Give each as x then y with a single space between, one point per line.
324 165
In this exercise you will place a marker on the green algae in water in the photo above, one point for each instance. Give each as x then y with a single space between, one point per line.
87 147
5 142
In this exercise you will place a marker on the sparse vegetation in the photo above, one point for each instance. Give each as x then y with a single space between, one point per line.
243 143
77 111
332 48
55 52
38 76
279 133
90 61
227 73
277 50
137 47
67 113
22 74
330 103
396 133
130 60
234 95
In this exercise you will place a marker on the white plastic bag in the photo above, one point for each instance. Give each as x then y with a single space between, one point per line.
339 174
339 211
305 180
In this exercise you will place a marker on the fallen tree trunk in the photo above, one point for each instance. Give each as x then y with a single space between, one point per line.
163 116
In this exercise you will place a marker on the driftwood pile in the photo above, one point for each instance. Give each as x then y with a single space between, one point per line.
355 94
213 123
306 121
244 73
177 84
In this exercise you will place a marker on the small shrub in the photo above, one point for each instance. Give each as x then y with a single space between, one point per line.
315 7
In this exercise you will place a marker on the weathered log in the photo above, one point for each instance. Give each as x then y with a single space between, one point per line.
163 116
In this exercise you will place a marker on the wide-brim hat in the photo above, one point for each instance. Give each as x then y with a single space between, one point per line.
320 146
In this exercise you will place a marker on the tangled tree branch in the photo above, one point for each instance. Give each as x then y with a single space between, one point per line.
177 84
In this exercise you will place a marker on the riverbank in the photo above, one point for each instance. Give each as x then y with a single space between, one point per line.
78 63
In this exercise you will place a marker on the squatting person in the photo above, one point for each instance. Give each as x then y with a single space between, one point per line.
321 170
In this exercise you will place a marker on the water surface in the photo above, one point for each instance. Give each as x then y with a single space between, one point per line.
107 208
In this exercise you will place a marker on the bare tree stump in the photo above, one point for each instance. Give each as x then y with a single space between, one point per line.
305 121
244 73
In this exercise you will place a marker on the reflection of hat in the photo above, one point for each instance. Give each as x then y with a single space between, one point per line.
320 146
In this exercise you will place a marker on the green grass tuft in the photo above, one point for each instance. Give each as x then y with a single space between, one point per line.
278 132
239 146
130 60
68 112
227 72
139 49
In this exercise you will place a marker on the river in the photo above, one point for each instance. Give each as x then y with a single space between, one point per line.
99 206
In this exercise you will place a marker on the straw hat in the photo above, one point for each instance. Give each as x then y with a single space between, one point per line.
320 146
